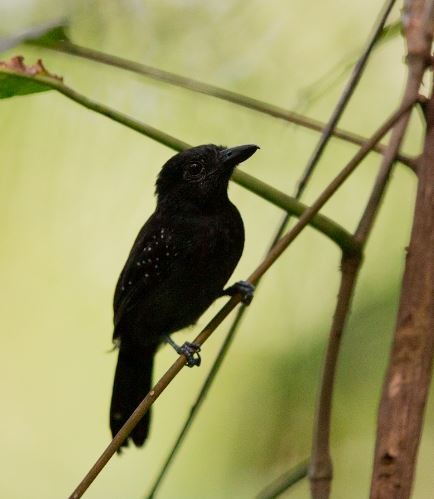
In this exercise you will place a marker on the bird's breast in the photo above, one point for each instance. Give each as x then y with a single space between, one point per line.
177 271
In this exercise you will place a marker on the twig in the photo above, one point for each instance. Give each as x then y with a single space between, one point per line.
328 80
408 377
271 258
296 208
320 473
346 95
210 90
285 481
200 399
287 203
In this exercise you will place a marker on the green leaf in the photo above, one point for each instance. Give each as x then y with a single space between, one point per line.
46 33
389 32
17 78
11 85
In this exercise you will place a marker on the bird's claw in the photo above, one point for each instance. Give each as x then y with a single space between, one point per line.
191 353
189 350
244 288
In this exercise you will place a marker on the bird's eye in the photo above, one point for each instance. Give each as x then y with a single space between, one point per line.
194 171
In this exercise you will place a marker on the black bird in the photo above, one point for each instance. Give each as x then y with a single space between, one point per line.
178 265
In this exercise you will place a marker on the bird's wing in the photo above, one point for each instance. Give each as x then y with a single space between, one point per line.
150 261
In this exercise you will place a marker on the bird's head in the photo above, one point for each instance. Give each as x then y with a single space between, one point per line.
199 176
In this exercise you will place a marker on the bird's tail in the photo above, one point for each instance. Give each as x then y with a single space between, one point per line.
133 380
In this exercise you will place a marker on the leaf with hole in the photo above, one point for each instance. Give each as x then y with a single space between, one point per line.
18 79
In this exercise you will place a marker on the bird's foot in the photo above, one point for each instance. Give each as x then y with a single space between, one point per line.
244 288
189 350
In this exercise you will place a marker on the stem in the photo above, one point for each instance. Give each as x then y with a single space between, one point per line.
328 192
296 208
210 90
271 258
285 481
200 399
346 96
320 222
321 467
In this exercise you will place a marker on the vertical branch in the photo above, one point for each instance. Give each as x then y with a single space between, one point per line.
419 39
408 377
321 466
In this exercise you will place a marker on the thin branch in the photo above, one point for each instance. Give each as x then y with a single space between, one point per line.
210 90
320 473
200 399
346 95
325 82
296 208
287 203
285 481
270 259
328 192
330 127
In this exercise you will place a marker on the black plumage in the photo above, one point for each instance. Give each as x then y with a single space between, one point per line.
178 265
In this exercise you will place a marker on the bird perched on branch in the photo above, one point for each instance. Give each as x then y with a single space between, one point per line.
178 265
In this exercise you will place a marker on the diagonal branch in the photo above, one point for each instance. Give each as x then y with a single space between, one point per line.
345 97
270 259
285 481
210 90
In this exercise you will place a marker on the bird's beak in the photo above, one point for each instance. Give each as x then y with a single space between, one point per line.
232 156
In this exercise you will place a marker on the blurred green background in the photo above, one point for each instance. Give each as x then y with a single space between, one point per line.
76 187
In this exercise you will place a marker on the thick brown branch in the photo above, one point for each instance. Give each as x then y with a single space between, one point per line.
408 377
409 373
